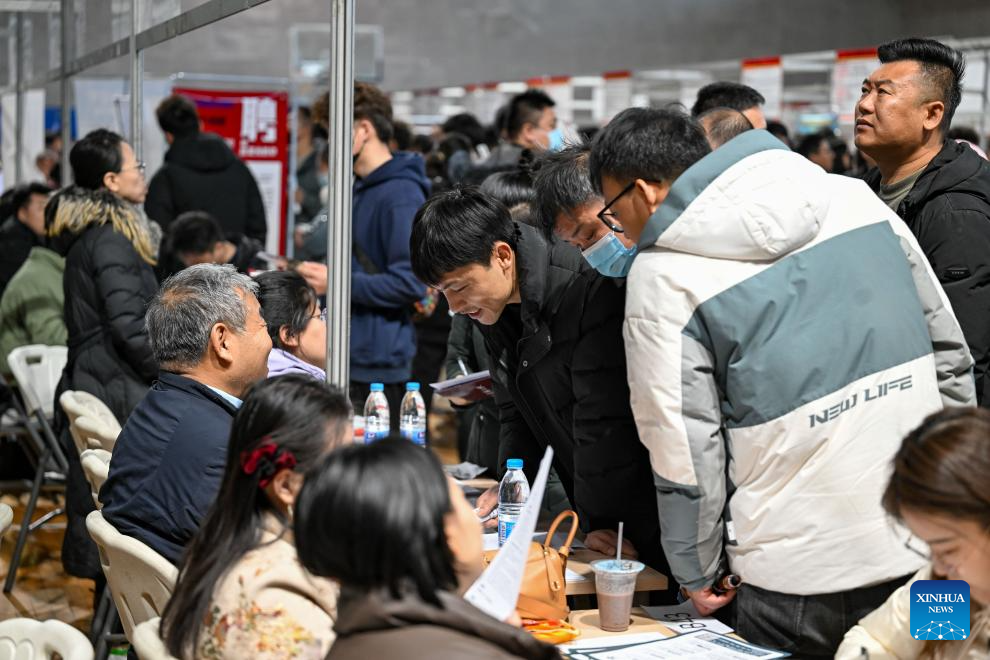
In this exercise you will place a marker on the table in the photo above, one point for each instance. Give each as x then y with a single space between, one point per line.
580 563
587 622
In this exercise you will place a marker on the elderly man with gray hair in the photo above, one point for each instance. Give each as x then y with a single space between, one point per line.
211 344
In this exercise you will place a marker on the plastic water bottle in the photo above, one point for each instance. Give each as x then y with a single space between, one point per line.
376 415
412 419
512 495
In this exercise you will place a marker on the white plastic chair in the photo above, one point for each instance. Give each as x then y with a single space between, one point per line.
37 370
27 639
96 466
96 433
77 404
6 518
140 580
148 643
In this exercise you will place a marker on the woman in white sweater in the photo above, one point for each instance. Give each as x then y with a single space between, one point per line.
940 489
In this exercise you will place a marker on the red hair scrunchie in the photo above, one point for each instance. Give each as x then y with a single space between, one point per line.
267 459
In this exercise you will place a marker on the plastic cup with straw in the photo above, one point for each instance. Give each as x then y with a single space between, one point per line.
615 584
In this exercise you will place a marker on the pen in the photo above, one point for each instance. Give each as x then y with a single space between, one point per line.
463 367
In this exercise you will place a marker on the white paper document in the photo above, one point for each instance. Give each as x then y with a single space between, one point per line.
497 590
701 645
684 618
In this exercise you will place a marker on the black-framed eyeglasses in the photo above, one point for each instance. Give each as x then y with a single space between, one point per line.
606 213
918 547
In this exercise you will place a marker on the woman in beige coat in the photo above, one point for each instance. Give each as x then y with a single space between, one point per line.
242 592
940 489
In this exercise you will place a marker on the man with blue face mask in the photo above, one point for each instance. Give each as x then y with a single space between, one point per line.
570 209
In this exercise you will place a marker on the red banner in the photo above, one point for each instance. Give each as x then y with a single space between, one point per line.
255 125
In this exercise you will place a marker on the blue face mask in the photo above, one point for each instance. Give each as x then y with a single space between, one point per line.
556 140
610 257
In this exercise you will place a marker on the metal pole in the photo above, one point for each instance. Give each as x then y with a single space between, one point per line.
21 54
137 82
290 219
68 19
339 202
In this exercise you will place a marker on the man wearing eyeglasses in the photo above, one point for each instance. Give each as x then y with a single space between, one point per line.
783 332
553 331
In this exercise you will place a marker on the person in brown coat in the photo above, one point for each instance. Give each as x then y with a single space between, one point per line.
403 542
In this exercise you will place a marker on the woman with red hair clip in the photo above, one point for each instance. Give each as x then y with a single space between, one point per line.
241 590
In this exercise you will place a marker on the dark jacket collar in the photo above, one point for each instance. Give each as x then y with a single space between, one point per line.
172 381
956 168
544 271
375 611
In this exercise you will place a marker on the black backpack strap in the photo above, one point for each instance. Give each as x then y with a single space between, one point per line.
366 263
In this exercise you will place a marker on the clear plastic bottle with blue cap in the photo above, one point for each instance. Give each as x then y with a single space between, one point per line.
412 419
513 492
377 422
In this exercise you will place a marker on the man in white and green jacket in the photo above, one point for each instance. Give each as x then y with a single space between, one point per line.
783 333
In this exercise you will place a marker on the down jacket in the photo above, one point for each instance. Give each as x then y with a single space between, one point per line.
783 333
559 375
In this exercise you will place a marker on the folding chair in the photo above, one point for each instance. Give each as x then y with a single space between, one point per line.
27 639
140 580
96 466
95 433
37 370
78 404
148 643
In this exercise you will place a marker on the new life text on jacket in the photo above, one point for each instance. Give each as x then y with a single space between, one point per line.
783 333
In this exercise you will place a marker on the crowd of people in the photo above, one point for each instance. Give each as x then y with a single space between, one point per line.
762 361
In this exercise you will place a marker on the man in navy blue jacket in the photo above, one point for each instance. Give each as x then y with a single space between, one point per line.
212 344
388 190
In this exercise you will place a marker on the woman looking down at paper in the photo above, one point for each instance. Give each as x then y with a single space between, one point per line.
385 521
939 490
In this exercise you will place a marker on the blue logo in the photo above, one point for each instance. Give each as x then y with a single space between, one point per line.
940 610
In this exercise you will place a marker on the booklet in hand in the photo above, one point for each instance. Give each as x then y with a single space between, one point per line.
473 387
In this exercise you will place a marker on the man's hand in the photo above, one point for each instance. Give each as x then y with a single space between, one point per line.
315 275
707 601
605 541
486 503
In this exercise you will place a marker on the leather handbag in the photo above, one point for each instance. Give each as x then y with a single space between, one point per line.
543 594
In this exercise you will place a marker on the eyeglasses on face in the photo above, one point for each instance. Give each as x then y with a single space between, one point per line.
607 216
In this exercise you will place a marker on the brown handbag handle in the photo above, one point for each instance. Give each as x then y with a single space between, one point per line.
565 549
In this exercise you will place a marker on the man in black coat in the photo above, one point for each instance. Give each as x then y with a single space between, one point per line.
201 173
940 188
553 331
209 338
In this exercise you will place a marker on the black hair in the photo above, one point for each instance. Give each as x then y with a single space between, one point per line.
51 137
297 414
177 115
511 187
809 144
495 132
403 135
465 124
646 143
723 124
526 108
967 133
372 517
455 229
286 301
779 131
840 149
22 195
194 232
422 144
93 156
726 95
562 184
942 70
